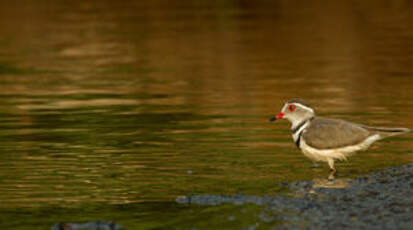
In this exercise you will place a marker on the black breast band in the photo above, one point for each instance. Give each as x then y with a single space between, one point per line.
297 142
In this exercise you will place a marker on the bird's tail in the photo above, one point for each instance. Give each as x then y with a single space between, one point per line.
388 132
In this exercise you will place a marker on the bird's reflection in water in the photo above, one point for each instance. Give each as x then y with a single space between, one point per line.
95 225
328 183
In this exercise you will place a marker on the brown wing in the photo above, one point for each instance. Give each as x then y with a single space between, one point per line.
326 133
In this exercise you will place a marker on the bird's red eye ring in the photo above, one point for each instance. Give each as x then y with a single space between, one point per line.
291 108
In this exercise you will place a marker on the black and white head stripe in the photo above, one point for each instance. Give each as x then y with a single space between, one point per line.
298 103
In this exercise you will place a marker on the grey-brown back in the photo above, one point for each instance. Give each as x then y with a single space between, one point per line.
326 133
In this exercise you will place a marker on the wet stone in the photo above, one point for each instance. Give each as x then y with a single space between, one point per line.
381 200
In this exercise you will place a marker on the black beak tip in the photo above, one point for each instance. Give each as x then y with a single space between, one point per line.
272 119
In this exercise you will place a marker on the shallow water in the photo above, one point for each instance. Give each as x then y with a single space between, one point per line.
109 111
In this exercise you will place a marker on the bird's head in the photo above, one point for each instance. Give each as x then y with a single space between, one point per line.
296 111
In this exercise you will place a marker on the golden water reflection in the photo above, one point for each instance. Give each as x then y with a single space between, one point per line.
116 102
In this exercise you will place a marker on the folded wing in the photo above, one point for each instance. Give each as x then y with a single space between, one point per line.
325 133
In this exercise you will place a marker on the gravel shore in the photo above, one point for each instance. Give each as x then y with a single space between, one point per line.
380 200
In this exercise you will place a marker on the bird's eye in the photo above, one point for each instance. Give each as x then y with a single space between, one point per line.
291 108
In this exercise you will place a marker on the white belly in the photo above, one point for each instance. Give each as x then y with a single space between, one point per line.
338 153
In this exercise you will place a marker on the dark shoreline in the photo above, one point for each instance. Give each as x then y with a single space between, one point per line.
379 200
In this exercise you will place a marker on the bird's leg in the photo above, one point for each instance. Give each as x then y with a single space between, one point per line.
333 170
333 173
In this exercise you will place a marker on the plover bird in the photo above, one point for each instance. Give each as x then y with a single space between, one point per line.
326 139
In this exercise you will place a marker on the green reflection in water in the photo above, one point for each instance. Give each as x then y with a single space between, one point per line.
149 215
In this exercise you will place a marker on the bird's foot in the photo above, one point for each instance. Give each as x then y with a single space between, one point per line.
333 174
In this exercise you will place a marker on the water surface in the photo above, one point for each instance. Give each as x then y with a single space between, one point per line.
109 111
